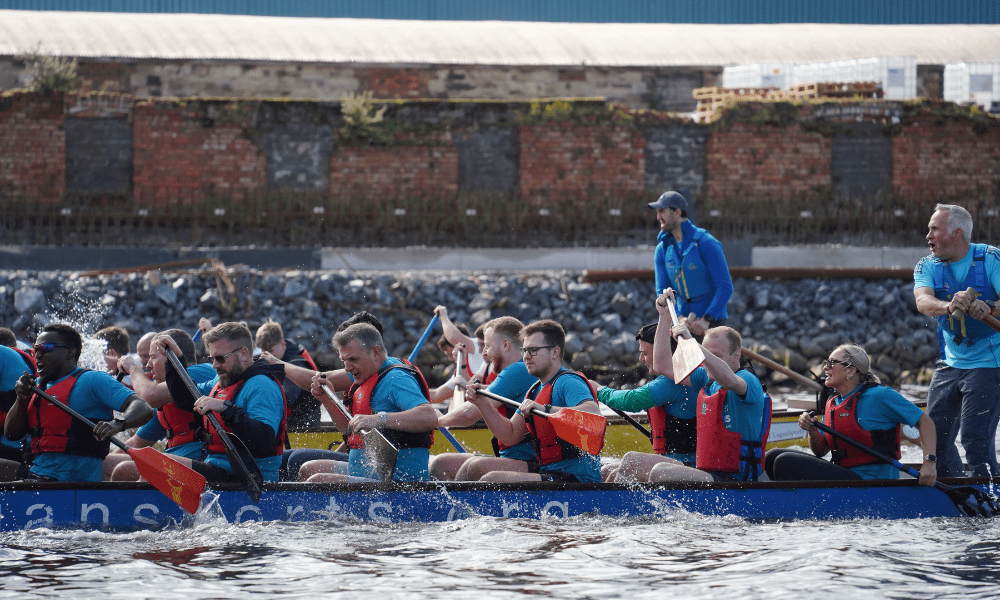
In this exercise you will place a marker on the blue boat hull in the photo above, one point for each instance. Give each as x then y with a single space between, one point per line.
138 506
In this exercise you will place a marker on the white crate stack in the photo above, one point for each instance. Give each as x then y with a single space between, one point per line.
897 74
760 75
972 82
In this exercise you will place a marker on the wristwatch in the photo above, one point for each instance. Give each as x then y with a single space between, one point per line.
120 419
384 417
930 458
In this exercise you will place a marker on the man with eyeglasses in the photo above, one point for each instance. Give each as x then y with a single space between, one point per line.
508 377
557 388
247 396
63 448
958 285
733 412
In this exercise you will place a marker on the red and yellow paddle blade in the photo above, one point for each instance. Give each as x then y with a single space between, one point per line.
181 484
582 429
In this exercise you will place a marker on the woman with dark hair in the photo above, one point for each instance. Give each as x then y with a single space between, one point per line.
864 411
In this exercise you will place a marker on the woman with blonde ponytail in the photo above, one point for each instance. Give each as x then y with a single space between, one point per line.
863 410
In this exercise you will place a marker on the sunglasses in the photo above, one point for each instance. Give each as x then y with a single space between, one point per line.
46 347
828 363
221 358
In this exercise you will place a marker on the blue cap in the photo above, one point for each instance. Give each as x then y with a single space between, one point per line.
670 200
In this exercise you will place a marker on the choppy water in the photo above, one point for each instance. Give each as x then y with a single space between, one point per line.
682 556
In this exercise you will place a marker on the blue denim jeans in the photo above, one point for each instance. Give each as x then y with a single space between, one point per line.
966 401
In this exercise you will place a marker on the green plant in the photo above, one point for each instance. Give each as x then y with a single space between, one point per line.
49 73
364 125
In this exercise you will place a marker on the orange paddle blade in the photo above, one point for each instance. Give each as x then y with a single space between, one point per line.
181 484
582 429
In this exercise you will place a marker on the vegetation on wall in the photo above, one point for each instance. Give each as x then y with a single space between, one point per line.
50 73
363 124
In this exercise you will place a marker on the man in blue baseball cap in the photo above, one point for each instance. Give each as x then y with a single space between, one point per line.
689 260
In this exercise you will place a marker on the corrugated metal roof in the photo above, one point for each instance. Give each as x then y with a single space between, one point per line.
371 41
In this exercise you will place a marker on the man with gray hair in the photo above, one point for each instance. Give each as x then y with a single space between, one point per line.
958 284
387 394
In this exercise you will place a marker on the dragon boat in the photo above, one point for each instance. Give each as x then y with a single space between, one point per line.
131 506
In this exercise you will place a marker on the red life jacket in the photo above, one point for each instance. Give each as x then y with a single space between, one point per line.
844 419
229 394
359 397
548 447
182 426
671 435
725 451
29 360
53 430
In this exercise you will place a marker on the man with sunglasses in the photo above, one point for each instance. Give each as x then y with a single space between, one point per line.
542 346
247 396
63 448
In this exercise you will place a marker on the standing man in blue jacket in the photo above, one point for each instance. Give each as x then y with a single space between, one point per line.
690 261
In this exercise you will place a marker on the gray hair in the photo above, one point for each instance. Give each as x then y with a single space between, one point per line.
855 356
958 218
366 334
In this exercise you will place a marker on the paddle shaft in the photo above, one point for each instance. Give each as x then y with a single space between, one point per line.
251 473
510 402
423 338
628 419
41 393
770 364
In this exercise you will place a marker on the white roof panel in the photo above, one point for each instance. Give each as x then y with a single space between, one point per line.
374 41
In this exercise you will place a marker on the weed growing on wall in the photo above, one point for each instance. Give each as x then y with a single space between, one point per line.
49 73
364 125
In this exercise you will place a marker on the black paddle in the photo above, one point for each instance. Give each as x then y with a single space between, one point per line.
970 501
236 451
628 419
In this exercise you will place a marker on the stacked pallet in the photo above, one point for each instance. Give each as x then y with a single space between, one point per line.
711 99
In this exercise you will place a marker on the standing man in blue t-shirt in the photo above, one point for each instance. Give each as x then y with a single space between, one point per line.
965 390
690 260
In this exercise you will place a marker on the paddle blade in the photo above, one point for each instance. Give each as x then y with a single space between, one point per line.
380 452
582 429
181 484
247 467
972 502
686 359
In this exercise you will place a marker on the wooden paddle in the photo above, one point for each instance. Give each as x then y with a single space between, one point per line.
688 355
413 356
239 456
770 364
970 501
178 482
990 320
582 429
379 451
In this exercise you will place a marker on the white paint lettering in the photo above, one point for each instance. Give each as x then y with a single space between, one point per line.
86 508
46 520
374 516
248 508
139 518
509 508
559 505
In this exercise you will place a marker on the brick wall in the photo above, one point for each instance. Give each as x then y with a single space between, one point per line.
936 158
181 154
581 163
32 146
748 161
398 173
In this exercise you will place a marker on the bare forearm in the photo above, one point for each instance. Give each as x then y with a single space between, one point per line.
419 418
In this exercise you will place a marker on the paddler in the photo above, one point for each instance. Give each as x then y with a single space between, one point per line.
304 409
246 396
508 377
543 344
670 408
387 394
958 285
63 448
14 362
864 411
733 413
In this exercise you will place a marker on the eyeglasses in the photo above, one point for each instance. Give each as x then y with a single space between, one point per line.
46 347
221 358
533 350
828 363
